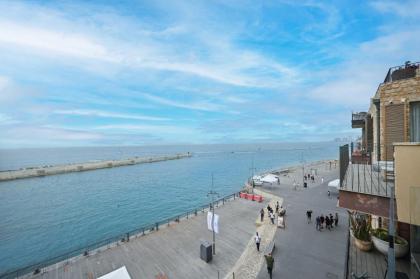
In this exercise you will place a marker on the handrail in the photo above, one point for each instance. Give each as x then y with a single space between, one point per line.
116 240
408 65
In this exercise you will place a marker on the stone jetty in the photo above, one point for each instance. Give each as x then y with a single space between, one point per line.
87 166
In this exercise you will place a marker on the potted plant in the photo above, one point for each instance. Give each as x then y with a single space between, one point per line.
380 239
360 231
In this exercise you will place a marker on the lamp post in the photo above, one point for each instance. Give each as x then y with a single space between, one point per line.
252 174
213 193
303 170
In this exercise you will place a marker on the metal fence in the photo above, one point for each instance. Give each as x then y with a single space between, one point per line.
113 241
361 174
408 70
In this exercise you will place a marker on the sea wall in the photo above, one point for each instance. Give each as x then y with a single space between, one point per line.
60 169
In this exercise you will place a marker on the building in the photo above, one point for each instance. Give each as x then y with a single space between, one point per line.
387 157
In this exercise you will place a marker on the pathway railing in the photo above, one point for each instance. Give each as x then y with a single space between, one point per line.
105 244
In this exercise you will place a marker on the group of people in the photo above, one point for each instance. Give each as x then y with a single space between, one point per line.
279 210
310 177
329 220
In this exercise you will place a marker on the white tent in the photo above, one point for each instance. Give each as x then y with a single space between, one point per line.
334 184
270 178
120 273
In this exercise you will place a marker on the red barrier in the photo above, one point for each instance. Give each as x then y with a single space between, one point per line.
258 198
242 195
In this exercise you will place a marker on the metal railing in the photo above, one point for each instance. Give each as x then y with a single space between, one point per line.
359 173
408 70
358 116
105 244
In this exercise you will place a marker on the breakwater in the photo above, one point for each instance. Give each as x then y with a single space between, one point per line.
87 166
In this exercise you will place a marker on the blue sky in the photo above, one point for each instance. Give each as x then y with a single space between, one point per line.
168 72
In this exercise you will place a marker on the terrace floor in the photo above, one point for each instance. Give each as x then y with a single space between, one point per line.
372 262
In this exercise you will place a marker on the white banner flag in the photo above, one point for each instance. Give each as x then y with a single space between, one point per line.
216 222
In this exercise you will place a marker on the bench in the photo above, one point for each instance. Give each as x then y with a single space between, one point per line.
270 248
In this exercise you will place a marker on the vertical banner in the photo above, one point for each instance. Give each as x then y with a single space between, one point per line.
216 222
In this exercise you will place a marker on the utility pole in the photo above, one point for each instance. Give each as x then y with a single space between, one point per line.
303 170
391 235
252 174
213 193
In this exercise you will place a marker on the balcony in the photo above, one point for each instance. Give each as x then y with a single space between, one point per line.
408 70
358 119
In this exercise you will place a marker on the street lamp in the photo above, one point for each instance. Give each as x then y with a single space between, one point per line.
213 193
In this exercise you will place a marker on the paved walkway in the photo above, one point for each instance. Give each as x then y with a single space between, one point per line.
301 250
251 261
174 251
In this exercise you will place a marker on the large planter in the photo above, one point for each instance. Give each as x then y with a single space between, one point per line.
362 245
382 246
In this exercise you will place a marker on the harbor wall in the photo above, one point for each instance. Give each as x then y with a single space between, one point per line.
87 166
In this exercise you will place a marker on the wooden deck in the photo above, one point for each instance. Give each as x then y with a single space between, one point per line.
361 178
372 262
174 250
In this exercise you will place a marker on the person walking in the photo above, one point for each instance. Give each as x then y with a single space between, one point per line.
328 222
318 223
277 207
322 180
262 214
336 219
309 215
272 217
270 264
331 220
257 241
322 221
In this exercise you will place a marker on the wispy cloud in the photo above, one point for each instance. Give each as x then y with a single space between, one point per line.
204 106
106 114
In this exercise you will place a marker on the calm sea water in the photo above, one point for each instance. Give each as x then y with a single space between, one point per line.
44 217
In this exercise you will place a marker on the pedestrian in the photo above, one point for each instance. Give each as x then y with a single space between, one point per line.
277 207
272 217
322 221
268 208
309 215
329 193
336 219
262 214
257 241
322 180
318 223
328 222
270 264
331 220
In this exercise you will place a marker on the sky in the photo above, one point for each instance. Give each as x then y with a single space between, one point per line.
189 72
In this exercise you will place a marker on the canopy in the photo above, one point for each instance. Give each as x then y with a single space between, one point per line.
269 178
334 183
120 273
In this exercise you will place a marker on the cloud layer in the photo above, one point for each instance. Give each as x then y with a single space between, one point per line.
194 72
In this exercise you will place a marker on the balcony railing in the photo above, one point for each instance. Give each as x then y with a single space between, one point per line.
408 70
358 119
363 176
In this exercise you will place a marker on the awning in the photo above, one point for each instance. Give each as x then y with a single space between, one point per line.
334 183
120 273
269 178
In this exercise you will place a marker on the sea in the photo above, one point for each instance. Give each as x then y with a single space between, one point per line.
44 217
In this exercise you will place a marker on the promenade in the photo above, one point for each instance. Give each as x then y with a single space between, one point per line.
173 250
301 250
